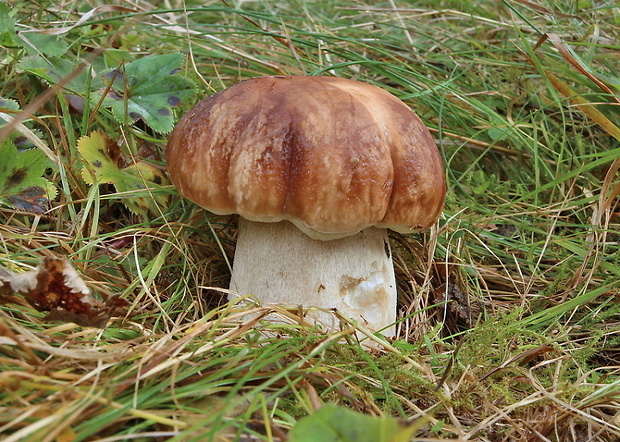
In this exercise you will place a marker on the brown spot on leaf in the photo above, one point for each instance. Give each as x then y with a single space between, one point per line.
115 95
32 199
113 74
16 177
113 152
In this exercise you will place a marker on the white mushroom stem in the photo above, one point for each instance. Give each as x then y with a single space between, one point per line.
278 264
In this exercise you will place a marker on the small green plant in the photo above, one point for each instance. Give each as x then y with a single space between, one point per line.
22 182
338 424
134 180
147 89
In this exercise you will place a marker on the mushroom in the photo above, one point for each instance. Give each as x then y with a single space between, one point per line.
317 168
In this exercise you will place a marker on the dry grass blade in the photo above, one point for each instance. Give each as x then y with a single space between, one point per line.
508 308
571 58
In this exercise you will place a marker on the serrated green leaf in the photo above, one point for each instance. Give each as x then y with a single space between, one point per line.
38 43
7 103
22 185
100 165
148 89
338 424
52 70
103 163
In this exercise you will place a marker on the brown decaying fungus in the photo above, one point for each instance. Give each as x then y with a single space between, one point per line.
318 168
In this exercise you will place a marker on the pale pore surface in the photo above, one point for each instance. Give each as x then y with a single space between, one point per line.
278 264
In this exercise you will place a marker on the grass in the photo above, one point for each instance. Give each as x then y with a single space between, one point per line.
510 316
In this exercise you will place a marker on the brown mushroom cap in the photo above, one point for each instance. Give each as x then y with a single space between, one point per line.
331 155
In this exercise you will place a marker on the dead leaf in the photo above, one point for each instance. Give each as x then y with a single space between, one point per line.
56 287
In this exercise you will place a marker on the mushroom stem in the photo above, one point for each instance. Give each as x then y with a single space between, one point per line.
279 264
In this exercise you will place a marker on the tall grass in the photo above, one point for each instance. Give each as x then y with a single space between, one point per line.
509 307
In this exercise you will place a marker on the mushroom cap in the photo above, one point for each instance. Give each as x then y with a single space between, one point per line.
333 156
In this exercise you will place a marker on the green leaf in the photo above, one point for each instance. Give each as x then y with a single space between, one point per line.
7 103
148 89
7 27
38 43
403 345
337 424
497 134
22 185
52 70
103 163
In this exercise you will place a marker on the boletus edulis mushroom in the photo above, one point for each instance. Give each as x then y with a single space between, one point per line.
317 168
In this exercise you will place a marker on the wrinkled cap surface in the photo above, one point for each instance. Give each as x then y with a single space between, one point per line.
332 155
